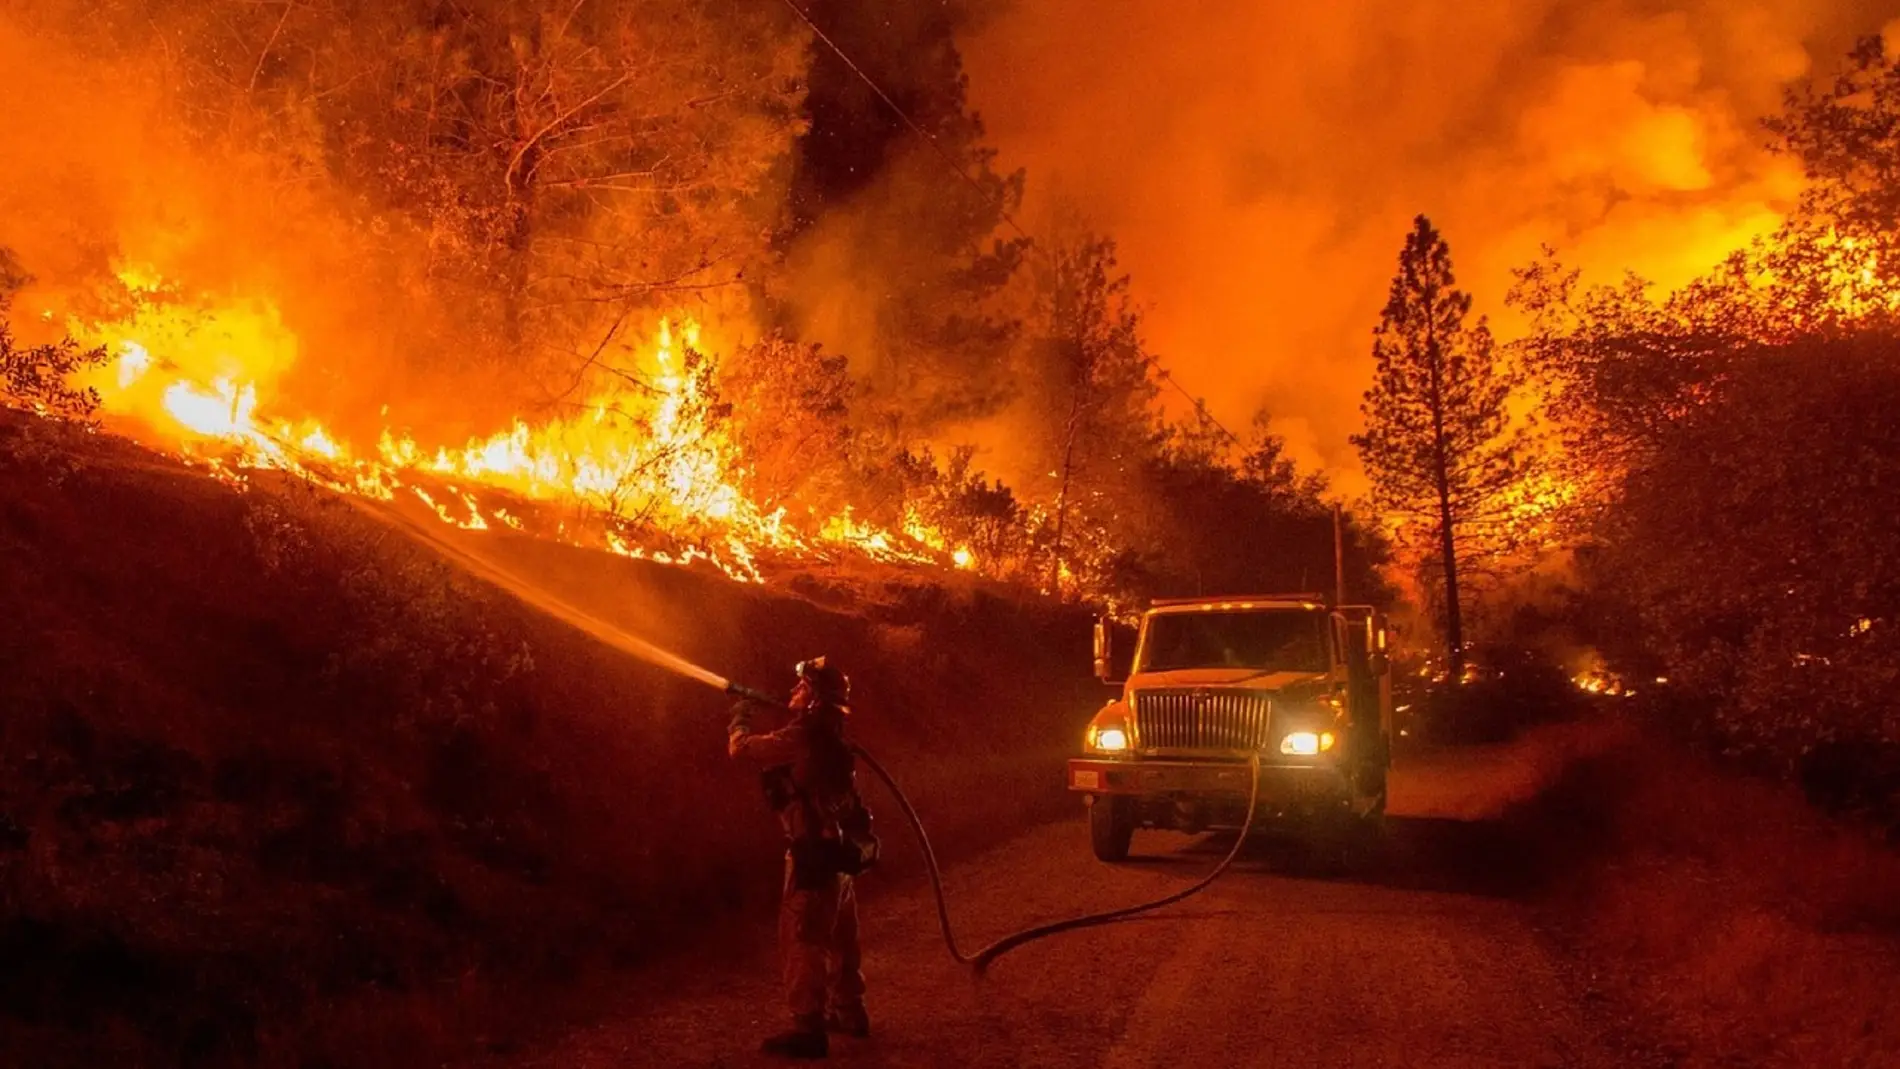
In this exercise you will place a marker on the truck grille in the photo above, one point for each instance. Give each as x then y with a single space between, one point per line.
1201 719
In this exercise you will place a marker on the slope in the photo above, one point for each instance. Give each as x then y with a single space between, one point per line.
277 786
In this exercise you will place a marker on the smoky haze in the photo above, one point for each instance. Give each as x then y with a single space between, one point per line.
274 185
1259 162
105 183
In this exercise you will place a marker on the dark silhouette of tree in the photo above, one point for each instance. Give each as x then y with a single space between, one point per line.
1094 382
880 224
1438 444
1267 467
1210 528
1751 552
37 377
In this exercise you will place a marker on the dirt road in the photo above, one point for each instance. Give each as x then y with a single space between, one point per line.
1426 962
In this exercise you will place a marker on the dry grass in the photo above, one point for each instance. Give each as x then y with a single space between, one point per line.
1737 926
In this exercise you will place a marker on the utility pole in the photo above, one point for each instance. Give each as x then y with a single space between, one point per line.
1339 557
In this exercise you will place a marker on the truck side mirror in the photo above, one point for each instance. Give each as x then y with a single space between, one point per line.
1104 649
1381 661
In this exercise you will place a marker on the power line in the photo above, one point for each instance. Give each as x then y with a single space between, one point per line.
950 161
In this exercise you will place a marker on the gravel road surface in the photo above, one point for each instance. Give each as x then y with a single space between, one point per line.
1427 959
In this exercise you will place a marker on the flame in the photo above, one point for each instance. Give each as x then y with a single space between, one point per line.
653 470
224 411
1600 680
1853 271
133 363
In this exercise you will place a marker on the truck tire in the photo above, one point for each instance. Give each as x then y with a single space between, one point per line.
1111 828
1369 780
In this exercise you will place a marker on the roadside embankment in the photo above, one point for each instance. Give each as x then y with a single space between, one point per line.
279 787
1719 920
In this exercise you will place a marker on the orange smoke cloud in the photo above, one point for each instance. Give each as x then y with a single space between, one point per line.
108 203
1259 162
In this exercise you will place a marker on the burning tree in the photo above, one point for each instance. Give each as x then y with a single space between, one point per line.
1267 467
1092 383
790 408
1618 366
1438 443
1836 261
1734 440
521 177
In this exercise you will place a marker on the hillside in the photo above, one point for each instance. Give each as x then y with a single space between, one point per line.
277 786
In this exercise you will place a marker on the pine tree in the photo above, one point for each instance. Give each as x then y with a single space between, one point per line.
1438 444
1093 372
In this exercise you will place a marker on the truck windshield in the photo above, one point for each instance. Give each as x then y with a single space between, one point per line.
1291 641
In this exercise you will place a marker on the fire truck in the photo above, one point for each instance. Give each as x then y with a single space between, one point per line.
1213 682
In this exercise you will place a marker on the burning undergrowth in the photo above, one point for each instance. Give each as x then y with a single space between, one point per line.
645 466
246 292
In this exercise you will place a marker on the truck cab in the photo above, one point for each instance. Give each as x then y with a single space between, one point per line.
1213 682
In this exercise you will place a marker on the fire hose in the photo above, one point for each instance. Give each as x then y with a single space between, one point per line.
979 962
614 636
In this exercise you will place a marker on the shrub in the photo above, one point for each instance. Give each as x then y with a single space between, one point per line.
37 377
1511 689
1755 551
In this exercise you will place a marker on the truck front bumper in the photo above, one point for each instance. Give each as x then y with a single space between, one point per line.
1187 778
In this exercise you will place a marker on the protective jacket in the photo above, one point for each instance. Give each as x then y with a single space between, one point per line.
810 783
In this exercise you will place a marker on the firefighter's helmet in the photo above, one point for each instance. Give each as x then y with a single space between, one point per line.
825 682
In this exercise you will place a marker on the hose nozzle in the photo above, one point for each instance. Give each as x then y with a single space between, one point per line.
740 690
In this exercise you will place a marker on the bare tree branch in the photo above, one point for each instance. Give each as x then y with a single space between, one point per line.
258 69
521 150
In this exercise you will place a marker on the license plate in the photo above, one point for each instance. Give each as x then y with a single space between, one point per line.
1087 780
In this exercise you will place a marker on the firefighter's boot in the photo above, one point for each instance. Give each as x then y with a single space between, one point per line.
849 1021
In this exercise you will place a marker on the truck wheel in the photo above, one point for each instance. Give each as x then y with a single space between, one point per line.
1111 828
1370 781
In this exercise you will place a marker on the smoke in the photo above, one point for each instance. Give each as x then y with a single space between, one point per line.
108 193
1260 162
347 257
889 262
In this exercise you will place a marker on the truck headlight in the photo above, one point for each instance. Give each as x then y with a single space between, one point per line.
1306 743
1108 739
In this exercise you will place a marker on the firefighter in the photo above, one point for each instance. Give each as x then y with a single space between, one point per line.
809 783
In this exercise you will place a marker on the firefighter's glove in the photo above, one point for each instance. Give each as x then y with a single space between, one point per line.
741 722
